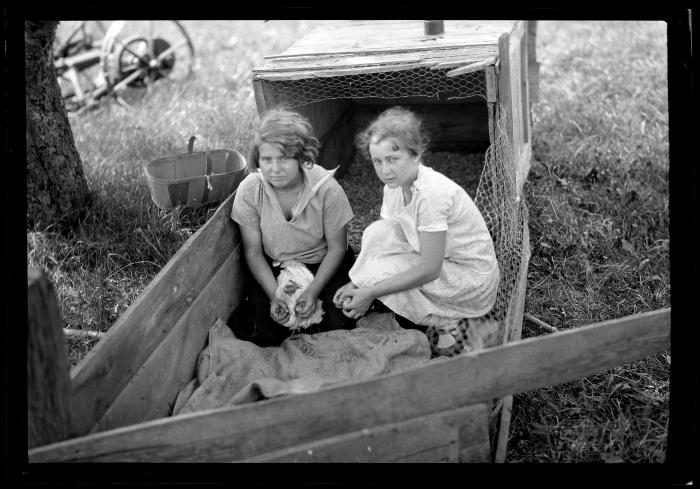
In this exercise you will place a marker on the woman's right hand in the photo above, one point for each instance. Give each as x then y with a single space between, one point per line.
279 311
339 297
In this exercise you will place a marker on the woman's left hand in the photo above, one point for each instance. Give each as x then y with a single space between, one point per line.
305 305
359 303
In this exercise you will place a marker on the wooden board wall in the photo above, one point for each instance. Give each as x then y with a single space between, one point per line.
460 435
244 432
152 390
114 368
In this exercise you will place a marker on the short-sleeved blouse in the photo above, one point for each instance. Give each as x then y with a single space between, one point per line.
322 208
440 204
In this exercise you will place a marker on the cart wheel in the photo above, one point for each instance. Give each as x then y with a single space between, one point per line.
141 53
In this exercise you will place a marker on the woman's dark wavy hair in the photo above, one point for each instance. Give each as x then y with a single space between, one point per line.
290 132
395 122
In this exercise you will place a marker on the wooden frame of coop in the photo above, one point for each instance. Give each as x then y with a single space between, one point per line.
115 405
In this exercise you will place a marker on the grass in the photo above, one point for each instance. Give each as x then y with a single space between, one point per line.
599 220
597 193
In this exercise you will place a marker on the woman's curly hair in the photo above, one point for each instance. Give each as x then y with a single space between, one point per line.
290 132
396 122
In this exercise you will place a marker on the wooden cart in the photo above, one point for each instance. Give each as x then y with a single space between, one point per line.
115 405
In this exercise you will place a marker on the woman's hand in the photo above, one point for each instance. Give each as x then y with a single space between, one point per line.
359 303
339 297
279 311
306 304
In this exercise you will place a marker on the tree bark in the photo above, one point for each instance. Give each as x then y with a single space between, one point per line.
56 186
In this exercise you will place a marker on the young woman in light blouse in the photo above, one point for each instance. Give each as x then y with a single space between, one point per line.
430 258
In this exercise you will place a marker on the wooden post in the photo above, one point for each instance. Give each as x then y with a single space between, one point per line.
533 67
48 378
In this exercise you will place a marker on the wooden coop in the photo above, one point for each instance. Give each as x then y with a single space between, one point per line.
116 404
343 73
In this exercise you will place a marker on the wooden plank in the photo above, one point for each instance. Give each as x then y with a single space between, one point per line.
533 75
491 84
442 58
460 435
518 30
514 318
99 378
523 167
353 36
533 69
503 430
243 432
474 442
48 382
153 389
260 100
516 307
524 90
504 89
516 96
455 60
492 111
471 68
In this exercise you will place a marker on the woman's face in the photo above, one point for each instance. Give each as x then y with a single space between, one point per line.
395 166
281 171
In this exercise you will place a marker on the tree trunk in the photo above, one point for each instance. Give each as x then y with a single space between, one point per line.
56 185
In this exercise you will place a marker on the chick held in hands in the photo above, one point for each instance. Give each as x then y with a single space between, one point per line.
292 282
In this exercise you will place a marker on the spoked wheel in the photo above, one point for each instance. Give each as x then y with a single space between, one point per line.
139 54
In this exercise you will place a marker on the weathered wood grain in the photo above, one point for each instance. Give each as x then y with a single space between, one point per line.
501 447
441 58
243 432
151 391
533 69
505 98
491 84
260 101
48 382
383 36
514 317
460 435
99 378
516 102
472 67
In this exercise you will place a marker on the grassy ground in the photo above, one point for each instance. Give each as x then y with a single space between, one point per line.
597 193
598 198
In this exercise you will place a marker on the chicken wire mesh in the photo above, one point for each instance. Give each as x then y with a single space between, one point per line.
389 84
506 218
